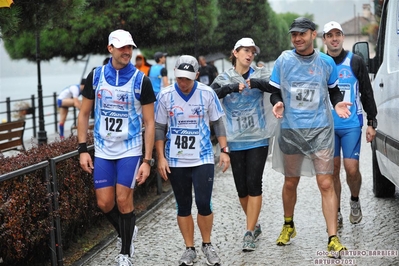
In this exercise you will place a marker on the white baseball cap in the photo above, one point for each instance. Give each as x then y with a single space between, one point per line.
332 25
120 38
186 67
246 42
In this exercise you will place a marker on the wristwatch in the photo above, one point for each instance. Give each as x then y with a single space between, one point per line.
372 123
225 150
151 162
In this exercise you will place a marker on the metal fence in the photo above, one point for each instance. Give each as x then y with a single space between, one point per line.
30 113
50 176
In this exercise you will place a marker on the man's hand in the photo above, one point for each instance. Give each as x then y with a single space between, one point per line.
143 173
342 109
86 162
370 134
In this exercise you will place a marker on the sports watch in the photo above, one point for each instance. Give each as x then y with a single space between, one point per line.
151 162
225 150
372 123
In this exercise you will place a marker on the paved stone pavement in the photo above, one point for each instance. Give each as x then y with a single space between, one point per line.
159 240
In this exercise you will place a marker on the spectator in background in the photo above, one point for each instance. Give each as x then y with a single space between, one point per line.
142 64
214 68
206 72
158 73
69 97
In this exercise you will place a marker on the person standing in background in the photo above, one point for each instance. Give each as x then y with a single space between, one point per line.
248 130
206 72
355 85
185 155
69 97
158 73
124 103
142 64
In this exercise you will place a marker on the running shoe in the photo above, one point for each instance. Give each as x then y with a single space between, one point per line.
123 260
335 247
286 234
212 257
249 242
119 241
356 212
188 258
257 231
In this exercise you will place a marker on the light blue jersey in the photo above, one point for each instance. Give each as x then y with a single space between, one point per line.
156 78
349 87
304 82
188 141
247 122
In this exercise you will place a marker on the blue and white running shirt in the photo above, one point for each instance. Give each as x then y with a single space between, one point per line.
188 141
349 87
118 118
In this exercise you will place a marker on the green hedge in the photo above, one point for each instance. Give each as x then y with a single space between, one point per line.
25 221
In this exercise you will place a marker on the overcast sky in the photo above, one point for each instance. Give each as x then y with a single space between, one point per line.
323 10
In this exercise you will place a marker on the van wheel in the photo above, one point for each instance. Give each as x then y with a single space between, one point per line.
382 187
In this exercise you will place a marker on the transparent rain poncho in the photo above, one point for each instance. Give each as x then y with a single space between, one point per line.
249 116
305 139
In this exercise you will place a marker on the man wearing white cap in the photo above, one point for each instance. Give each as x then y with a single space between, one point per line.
124 102
354 83
185 155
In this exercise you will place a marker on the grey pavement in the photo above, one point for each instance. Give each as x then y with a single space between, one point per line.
159 241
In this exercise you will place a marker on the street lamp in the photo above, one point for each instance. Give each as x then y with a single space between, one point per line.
42 134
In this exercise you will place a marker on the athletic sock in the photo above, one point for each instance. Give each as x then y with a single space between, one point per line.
339 209
206 244
113 217
61 130
354 198
289 221
127 222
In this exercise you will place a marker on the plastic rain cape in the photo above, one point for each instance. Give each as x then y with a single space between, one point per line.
307 115
249 114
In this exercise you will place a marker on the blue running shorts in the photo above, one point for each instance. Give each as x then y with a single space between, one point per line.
349 140
108 173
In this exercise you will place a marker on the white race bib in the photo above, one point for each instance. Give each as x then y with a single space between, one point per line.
184 143
305 96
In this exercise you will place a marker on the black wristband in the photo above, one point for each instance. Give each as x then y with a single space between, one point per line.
82 147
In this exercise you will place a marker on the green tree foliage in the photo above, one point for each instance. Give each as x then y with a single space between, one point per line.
154 24
254 19
72 29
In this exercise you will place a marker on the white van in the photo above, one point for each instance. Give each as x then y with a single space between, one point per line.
385 67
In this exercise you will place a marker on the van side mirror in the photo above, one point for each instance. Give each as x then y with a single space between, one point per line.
362 50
